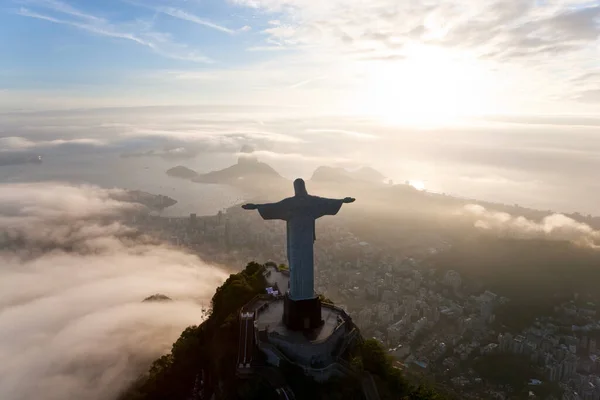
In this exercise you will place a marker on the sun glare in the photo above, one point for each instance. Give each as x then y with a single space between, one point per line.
431 87
419 185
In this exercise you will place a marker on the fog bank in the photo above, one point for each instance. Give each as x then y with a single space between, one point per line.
72 281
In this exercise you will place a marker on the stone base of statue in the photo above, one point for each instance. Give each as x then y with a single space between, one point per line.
279 333
299 315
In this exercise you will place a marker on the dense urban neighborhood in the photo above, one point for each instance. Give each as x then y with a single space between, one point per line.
437 324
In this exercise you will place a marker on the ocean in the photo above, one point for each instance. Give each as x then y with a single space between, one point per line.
142 173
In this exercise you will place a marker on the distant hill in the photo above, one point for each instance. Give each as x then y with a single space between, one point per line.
248 173
368 174
156 202
341 175
245 169
182 172
157 297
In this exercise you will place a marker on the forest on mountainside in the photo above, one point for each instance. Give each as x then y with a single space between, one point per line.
211 348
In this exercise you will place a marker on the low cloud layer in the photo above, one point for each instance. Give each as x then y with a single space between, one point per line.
169 133
555 226
536 161
16 143
72 278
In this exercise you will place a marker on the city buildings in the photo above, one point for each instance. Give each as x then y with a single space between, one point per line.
432 321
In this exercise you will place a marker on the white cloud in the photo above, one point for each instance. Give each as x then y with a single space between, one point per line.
306 82
217 134
555 226
440 59
100 30
64 8
267 48
298 157
359 135
20 143
281 34
527 45
186 16
536 161
72 321
159 42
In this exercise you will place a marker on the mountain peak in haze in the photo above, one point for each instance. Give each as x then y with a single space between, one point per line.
369 174
243 170
157 297
248 168
182 172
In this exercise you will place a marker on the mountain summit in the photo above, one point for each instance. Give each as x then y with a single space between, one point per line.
204 363
247 169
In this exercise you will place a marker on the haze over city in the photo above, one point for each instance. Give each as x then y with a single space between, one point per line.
458 125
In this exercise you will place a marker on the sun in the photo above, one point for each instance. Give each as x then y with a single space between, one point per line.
419 185
431 86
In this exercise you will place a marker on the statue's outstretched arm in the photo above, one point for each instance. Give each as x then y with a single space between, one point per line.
252 206
324 206
269 210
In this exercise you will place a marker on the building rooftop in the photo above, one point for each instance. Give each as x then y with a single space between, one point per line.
270 318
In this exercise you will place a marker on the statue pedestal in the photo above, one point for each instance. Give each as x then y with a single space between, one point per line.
301 315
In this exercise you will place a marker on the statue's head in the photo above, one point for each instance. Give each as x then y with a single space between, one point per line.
300 187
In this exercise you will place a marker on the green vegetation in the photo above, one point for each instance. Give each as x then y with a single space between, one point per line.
283 267
371 357
212 348
325 299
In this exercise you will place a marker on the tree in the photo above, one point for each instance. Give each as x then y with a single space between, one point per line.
325 299
283 267
374 358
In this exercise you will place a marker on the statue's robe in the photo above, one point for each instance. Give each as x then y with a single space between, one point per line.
300 213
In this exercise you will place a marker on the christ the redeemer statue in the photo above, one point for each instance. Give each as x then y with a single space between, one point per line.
300 213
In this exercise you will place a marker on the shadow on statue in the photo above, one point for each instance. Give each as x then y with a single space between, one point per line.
302 314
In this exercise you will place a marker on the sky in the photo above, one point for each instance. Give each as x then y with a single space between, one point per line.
497 100
434 60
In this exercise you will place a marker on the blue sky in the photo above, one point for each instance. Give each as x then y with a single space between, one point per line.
55 44
500 96
446 59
